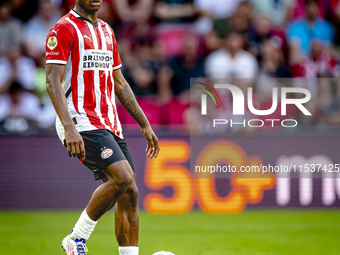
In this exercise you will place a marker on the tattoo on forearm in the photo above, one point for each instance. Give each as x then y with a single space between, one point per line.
128 100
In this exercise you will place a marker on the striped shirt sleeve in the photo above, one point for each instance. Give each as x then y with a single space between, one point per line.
59 44
117 63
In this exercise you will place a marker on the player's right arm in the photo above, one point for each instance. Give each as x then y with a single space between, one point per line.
59 44
74 141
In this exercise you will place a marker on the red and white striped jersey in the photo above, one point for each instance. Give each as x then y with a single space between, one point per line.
89 51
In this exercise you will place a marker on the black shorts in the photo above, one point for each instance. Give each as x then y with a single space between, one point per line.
103 148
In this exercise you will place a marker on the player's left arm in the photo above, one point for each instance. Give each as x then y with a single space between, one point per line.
125 95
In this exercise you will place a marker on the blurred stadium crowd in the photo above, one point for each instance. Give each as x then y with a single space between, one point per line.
164 43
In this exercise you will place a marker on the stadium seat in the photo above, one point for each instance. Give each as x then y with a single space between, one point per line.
176 113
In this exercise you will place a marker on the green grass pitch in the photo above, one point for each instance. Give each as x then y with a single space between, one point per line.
252 232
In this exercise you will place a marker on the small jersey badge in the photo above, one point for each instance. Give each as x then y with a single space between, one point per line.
52 42
106 153
108 39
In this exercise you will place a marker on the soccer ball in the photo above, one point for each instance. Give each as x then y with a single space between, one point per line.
163 253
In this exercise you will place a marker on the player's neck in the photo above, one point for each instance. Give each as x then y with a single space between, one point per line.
86 14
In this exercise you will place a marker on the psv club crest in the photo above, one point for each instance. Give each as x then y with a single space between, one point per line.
108 39
106 153
52 42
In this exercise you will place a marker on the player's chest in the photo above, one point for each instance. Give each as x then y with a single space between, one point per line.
96 48
95 37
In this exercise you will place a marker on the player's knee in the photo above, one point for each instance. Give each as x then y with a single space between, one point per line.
133 193
123 183
129 200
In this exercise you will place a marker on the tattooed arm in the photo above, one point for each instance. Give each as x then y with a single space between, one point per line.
127 98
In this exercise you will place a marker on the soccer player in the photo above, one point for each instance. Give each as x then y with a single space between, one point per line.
83 77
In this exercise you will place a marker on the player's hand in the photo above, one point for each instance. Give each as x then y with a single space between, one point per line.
152 149
74 143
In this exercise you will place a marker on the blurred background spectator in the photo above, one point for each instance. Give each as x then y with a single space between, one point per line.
164 43
10 27
310 26
277 11
232 61
16 67
38 26
17 108
176 77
